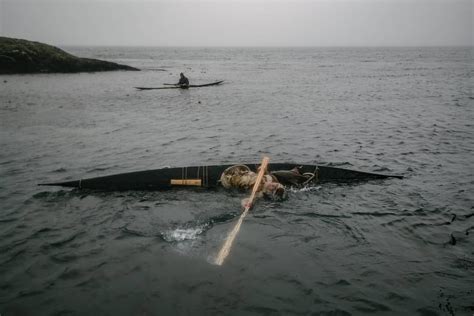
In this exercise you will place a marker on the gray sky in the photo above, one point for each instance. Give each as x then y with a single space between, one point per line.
240 22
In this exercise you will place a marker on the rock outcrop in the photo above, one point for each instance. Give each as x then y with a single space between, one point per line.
18 56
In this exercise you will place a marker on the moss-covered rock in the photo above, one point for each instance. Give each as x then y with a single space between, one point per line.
19 56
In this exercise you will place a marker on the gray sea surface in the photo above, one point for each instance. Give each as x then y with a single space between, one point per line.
384 247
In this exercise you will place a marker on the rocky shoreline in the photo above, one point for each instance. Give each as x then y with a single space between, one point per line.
18 56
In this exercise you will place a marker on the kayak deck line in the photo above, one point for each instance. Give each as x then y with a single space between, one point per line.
207 177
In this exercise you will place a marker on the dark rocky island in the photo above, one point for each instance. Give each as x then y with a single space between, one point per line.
19 56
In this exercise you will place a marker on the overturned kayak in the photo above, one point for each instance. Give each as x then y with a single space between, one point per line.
208 177
176 86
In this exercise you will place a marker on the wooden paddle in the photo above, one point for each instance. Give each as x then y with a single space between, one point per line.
224 252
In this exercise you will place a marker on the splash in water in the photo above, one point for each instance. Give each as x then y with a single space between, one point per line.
182 234
305 189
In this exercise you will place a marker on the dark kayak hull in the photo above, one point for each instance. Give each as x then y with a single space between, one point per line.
173 86
206 176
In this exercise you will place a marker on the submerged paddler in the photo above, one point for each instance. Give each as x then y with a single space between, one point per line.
183 81
273 183
241 177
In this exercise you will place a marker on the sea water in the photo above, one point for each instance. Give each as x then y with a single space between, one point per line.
395 246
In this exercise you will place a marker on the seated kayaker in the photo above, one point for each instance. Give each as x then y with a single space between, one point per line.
183 81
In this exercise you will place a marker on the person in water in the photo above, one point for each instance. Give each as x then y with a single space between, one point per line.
241 177
183 81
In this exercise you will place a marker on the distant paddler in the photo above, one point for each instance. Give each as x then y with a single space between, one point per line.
183 81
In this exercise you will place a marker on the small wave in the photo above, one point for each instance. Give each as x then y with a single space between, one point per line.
182 234
220 219
336 164
7 220
463 263
29 293
65 240
312 214
100 169
135 232
40 231
342 282
2 163
12 256
382 169
64 258
375 214
51 196
155 69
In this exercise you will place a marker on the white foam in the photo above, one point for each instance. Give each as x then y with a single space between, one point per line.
182 234
305 189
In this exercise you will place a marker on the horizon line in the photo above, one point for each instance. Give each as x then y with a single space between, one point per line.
266 46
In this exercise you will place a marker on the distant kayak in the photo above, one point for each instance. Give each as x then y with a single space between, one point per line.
176 86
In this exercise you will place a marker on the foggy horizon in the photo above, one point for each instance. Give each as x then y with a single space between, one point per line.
242 23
